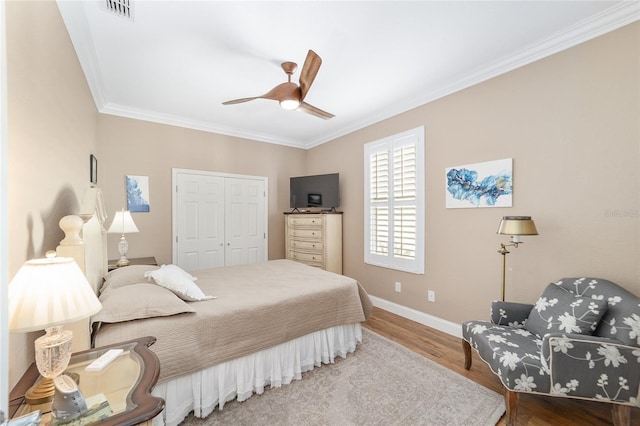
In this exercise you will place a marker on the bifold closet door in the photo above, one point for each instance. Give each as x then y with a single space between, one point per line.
200 221
219 221
244 221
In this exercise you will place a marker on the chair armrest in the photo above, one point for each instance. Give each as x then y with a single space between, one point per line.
510 313
593 367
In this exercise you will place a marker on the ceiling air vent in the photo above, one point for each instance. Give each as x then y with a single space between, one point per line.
123 8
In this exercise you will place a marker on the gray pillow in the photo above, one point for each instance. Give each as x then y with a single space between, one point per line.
125 276
560 311
622 319
138 301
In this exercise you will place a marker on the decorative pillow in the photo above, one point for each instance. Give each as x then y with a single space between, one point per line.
138 301
178 281
622 319
124 276
560 311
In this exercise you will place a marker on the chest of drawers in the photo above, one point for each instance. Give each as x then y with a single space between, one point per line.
315 239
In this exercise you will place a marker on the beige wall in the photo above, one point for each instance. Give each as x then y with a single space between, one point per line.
570 122
132 147
52 125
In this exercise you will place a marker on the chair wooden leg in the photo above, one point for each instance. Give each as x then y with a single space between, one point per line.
621 415
511 401
466 347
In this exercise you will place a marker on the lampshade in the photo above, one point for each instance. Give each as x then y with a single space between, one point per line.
517 225
122 223
49 292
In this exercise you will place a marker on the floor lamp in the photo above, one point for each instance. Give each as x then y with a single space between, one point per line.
514 226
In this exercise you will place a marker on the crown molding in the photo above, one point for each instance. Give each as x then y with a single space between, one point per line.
615 17
204 126
609 20
75 20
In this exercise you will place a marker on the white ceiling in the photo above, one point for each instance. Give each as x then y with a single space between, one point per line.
176 61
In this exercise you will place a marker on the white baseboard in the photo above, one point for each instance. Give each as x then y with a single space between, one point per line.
420 317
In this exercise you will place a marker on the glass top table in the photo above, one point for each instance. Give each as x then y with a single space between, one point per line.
126 384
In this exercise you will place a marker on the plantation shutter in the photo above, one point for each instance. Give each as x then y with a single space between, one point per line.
379 196
394 202
404 194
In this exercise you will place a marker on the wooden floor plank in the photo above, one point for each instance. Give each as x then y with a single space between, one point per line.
446 350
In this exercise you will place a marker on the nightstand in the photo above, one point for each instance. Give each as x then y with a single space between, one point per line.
126 384
134 261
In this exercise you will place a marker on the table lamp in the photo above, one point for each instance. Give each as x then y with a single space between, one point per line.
123 224
515 226
45 294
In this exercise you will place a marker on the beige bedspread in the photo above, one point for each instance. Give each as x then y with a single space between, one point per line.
257 306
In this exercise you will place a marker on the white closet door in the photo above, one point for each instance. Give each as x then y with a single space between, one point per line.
244 221
200 221
218 219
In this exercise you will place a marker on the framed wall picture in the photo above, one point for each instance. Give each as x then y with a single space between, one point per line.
93 169
137 193
487 184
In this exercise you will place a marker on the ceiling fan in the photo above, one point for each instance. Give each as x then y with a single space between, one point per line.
290 95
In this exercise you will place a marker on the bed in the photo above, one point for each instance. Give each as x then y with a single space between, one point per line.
224 333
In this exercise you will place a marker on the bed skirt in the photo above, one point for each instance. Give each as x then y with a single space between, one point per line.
240 378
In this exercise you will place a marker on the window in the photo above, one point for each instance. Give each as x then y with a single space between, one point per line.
394 202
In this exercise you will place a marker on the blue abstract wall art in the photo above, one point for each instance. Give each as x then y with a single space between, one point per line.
487 184
137 193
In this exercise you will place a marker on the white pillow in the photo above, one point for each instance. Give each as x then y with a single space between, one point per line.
179 281
180 271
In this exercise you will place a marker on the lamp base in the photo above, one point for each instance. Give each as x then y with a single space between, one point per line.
42 391
123 246
123 261
52 352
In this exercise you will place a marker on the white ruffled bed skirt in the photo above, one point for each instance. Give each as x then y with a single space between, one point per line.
240 378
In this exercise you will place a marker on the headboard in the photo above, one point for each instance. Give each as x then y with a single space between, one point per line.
86 241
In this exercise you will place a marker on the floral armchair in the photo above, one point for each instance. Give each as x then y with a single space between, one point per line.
581 339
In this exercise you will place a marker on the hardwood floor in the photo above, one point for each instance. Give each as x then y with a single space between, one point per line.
533 410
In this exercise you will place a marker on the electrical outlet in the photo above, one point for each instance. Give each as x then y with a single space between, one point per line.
431 296
398 287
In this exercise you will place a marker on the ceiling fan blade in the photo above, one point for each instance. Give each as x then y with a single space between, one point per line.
239 101
314 111
309 72
279 93
283 91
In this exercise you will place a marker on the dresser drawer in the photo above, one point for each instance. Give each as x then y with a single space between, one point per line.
306 233
305 221
306 245
309 258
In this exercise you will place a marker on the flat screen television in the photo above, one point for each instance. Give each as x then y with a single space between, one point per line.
317 191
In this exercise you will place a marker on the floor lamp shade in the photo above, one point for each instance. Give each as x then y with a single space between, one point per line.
517 225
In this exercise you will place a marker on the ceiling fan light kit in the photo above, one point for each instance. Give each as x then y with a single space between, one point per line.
290 95
289 104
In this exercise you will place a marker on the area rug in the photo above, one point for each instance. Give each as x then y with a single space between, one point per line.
381 383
